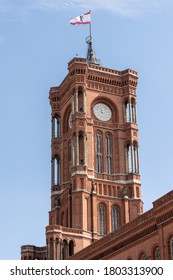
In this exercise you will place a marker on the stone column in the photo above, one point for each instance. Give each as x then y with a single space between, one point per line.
77 148
58 250
67 250
76 93
132 163
134 158
137 159
61 246
134 112
48 249
72 104
124 112
85 150
84 100
52 172
126 159
126 209
54 249
73 151
53 127
130 117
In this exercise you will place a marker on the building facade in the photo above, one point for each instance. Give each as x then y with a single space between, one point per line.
147 237
95 185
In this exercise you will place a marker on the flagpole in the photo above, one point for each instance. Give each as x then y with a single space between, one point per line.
91 57
90 29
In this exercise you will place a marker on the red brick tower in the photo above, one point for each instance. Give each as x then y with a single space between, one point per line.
95 163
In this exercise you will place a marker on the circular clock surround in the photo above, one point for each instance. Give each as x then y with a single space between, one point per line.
102 111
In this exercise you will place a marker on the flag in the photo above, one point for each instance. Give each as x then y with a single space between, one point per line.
82 19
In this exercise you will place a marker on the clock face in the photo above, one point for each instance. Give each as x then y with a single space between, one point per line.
102 112
70 120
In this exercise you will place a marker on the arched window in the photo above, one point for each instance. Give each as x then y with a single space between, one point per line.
101 219
171 247
127 111
98 153
80 101
157 254
56 171
115 218
81 148
132 157
130 111
129 159
135 159
133 111
56 132
108 154
143 256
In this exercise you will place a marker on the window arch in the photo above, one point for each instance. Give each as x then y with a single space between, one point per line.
115 218
101 219
156 255
98 152
108 154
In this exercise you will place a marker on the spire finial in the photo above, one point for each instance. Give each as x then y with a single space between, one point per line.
91 57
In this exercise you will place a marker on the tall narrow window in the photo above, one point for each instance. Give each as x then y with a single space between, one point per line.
171 248
127 112
130 111
135 159
115 218
108 154
80 101
101 219
129 159
143 256
55 127
133 111
157 254
98 153
56 171
132 158
81 149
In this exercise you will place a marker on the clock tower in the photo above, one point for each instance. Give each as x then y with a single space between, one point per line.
95 185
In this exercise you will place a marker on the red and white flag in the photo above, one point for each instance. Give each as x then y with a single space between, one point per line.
82 19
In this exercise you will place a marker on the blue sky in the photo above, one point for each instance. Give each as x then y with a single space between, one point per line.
36 43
